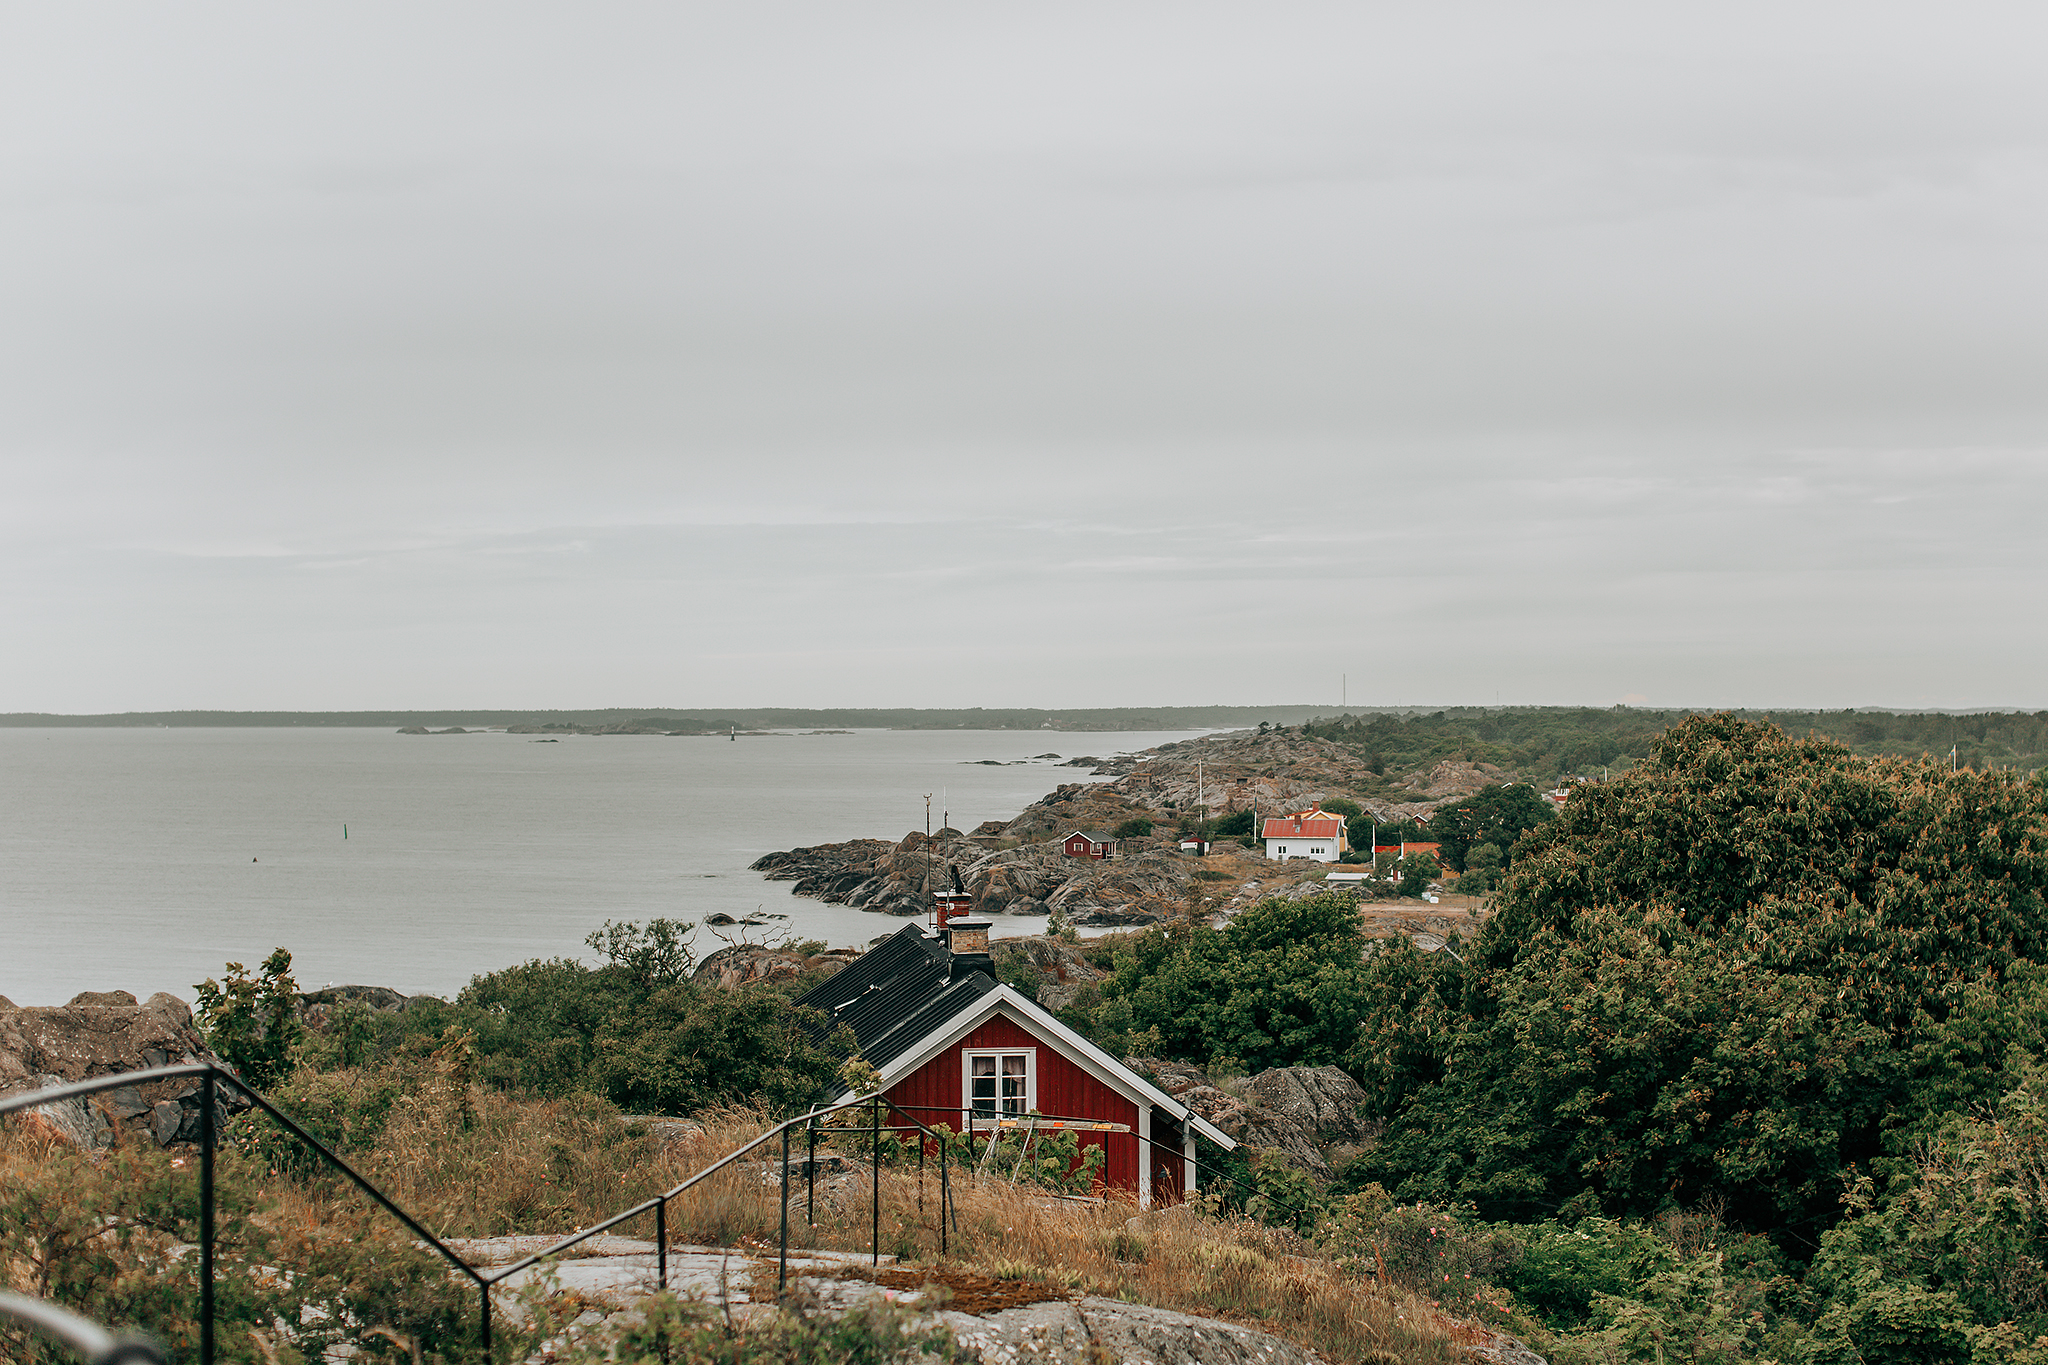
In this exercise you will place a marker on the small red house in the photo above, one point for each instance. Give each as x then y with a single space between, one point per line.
1079 845
957 1047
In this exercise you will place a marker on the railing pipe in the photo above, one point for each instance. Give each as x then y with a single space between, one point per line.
208 1095
782 1262
88 1338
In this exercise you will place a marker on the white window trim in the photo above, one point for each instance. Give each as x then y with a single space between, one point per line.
967 1056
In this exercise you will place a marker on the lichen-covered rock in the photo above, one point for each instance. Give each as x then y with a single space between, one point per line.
46 1045
1321 1098
749 964
1056 969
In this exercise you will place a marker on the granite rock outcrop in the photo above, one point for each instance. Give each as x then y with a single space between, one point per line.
101 1033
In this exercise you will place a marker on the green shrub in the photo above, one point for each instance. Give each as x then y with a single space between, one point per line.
252 1022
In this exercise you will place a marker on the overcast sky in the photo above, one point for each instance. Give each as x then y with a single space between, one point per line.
439 355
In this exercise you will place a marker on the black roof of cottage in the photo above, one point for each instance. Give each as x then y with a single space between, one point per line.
894 994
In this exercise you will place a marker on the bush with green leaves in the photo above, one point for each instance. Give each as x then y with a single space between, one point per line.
1137 827
638 1031
1956 1248
1732 972
1236 823
1418 870
1278 986
1495 816
252 1022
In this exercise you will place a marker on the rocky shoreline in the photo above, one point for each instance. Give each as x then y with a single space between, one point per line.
1016 867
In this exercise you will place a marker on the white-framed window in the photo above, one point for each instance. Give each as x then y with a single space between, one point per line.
998 1082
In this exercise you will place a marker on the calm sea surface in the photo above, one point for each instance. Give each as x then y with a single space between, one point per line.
143 860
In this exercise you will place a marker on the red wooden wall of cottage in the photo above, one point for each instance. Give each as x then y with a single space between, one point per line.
1064 1090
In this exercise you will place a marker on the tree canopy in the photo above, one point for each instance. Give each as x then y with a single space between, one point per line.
1278 986
1732 972
1496 815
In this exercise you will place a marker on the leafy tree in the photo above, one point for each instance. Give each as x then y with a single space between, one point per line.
1350 810
1418 870
1237 822
1497 815
1483 866
1137 827
637 1030
1278 986
1728 972
252 1022
1961 1248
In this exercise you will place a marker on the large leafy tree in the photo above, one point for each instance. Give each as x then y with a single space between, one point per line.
1496 815
1727 975
1279 986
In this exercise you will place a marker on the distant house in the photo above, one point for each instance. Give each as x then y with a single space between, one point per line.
1195 844
1079 845
1315 833
955 1046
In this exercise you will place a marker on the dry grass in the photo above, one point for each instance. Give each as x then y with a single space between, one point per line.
538 1167
469 1164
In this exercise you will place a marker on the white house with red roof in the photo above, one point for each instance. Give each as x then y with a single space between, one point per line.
1315 833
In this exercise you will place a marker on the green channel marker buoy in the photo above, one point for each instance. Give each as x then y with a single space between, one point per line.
344 831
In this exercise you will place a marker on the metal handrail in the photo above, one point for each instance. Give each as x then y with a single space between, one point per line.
88 1338
211 1078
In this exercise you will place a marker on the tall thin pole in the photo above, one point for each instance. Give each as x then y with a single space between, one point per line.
875 1193
929 873
207 1096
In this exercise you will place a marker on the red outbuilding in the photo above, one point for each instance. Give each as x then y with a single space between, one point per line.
1079 845
956 1046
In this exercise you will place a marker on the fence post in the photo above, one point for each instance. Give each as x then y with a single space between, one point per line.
661 1239
483 1316
207 1095
782 1266
875 1193
945 1194
811 1175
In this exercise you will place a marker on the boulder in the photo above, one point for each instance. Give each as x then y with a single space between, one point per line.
1062 1333
750 964
103 998
1322 1099
42 1046
1060 968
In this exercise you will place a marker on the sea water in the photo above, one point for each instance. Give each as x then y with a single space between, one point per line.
145 859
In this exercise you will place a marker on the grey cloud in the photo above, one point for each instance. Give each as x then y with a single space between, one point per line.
382 355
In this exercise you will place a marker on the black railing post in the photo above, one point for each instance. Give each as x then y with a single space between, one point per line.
945 1194
661 1239
875 1193
208 1094
782 1264
811 1175
483 1317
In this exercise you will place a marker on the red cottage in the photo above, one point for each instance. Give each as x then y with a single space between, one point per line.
1079 845
955 1046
